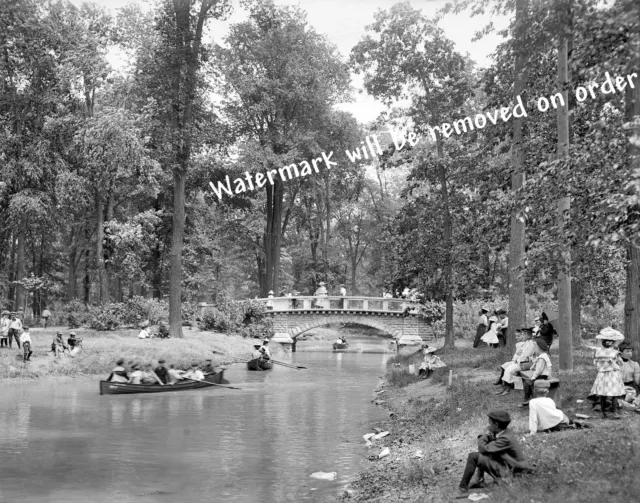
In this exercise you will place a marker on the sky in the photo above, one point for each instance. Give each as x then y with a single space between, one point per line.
344 22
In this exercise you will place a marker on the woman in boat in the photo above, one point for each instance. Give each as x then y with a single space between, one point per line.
136 375
119 374
174 374
149 376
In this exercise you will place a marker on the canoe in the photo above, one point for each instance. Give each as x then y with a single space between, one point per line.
253 365
337 346
123 388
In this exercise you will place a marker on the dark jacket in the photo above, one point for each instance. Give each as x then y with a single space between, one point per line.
162 374
546 333
499 448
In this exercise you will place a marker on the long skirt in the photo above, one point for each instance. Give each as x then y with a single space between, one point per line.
608 384
510 377
480 331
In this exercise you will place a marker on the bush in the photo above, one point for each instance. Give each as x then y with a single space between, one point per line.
248 318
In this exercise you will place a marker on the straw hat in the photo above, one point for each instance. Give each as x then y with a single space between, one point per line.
431 350
610 334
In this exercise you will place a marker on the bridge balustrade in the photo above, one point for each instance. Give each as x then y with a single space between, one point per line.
336 303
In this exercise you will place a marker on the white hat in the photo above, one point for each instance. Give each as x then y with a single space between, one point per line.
493 318
431 350
266 341
610 334
322 283
270 291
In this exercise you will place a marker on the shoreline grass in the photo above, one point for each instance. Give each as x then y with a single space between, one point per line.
101 350
590 465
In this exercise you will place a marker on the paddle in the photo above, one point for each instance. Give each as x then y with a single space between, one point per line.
288 365
210 383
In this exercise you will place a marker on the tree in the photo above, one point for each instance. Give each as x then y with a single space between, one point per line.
411 58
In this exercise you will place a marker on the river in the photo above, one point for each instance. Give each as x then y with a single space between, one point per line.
60 441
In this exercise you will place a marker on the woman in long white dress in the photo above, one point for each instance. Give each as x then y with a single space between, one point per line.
491 336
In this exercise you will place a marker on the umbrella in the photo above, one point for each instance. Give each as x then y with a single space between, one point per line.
610 334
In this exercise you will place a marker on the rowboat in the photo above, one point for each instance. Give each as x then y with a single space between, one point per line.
337 346
254 364
123 388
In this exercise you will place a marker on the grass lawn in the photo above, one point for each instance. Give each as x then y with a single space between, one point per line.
591 465
101 350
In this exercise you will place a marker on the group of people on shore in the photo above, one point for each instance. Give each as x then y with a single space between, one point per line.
493 330
617 379
135 373
11 329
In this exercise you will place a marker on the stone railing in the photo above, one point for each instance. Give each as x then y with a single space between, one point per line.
333 303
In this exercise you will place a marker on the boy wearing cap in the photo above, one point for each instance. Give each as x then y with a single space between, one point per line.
498 453
58 345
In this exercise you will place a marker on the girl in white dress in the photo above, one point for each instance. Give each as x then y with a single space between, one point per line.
491 337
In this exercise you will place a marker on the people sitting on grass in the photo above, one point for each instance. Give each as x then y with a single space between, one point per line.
25 340
522 360
630 369
543 414
608 382
429 363
58 346
491 336
499 454
119 373
540 369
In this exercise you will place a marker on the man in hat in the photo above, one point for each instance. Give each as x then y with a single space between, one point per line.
257 351
209 367
541 369
15 326
161 371
73 341
482 325
498 453
266 354
4 329
46 314
195 373
543 414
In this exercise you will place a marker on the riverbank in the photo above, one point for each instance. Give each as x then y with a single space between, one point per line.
101 350
442 424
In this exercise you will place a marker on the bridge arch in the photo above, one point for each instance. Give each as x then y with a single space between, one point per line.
367 321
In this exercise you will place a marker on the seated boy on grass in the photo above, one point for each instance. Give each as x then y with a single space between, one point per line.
543 414
499 453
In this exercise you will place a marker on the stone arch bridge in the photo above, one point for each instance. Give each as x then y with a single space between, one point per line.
293 316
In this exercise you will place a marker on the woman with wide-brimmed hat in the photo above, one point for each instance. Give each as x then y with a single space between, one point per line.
608 382
430 362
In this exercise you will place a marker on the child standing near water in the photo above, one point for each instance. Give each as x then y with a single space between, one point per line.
608 381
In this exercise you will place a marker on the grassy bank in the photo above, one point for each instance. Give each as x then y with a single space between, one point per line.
591 465
102 349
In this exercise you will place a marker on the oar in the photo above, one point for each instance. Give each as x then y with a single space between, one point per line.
247 361
210 383
287 365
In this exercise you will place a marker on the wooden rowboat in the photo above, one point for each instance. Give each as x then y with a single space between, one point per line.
123 388
337 346
253 365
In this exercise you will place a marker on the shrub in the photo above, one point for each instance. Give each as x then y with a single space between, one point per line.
248 318
215 320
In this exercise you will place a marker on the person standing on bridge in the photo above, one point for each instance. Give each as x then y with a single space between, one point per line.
343 293
270 302
321 292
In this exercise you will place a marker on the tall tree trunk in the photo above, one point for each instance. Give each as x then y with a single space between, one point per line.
564 203
73 251
102 271
20 251
517 298
632 109
12 269
87 277
175 257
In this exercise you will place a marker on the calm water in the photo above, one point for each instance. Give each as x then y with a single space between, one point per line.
62 442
